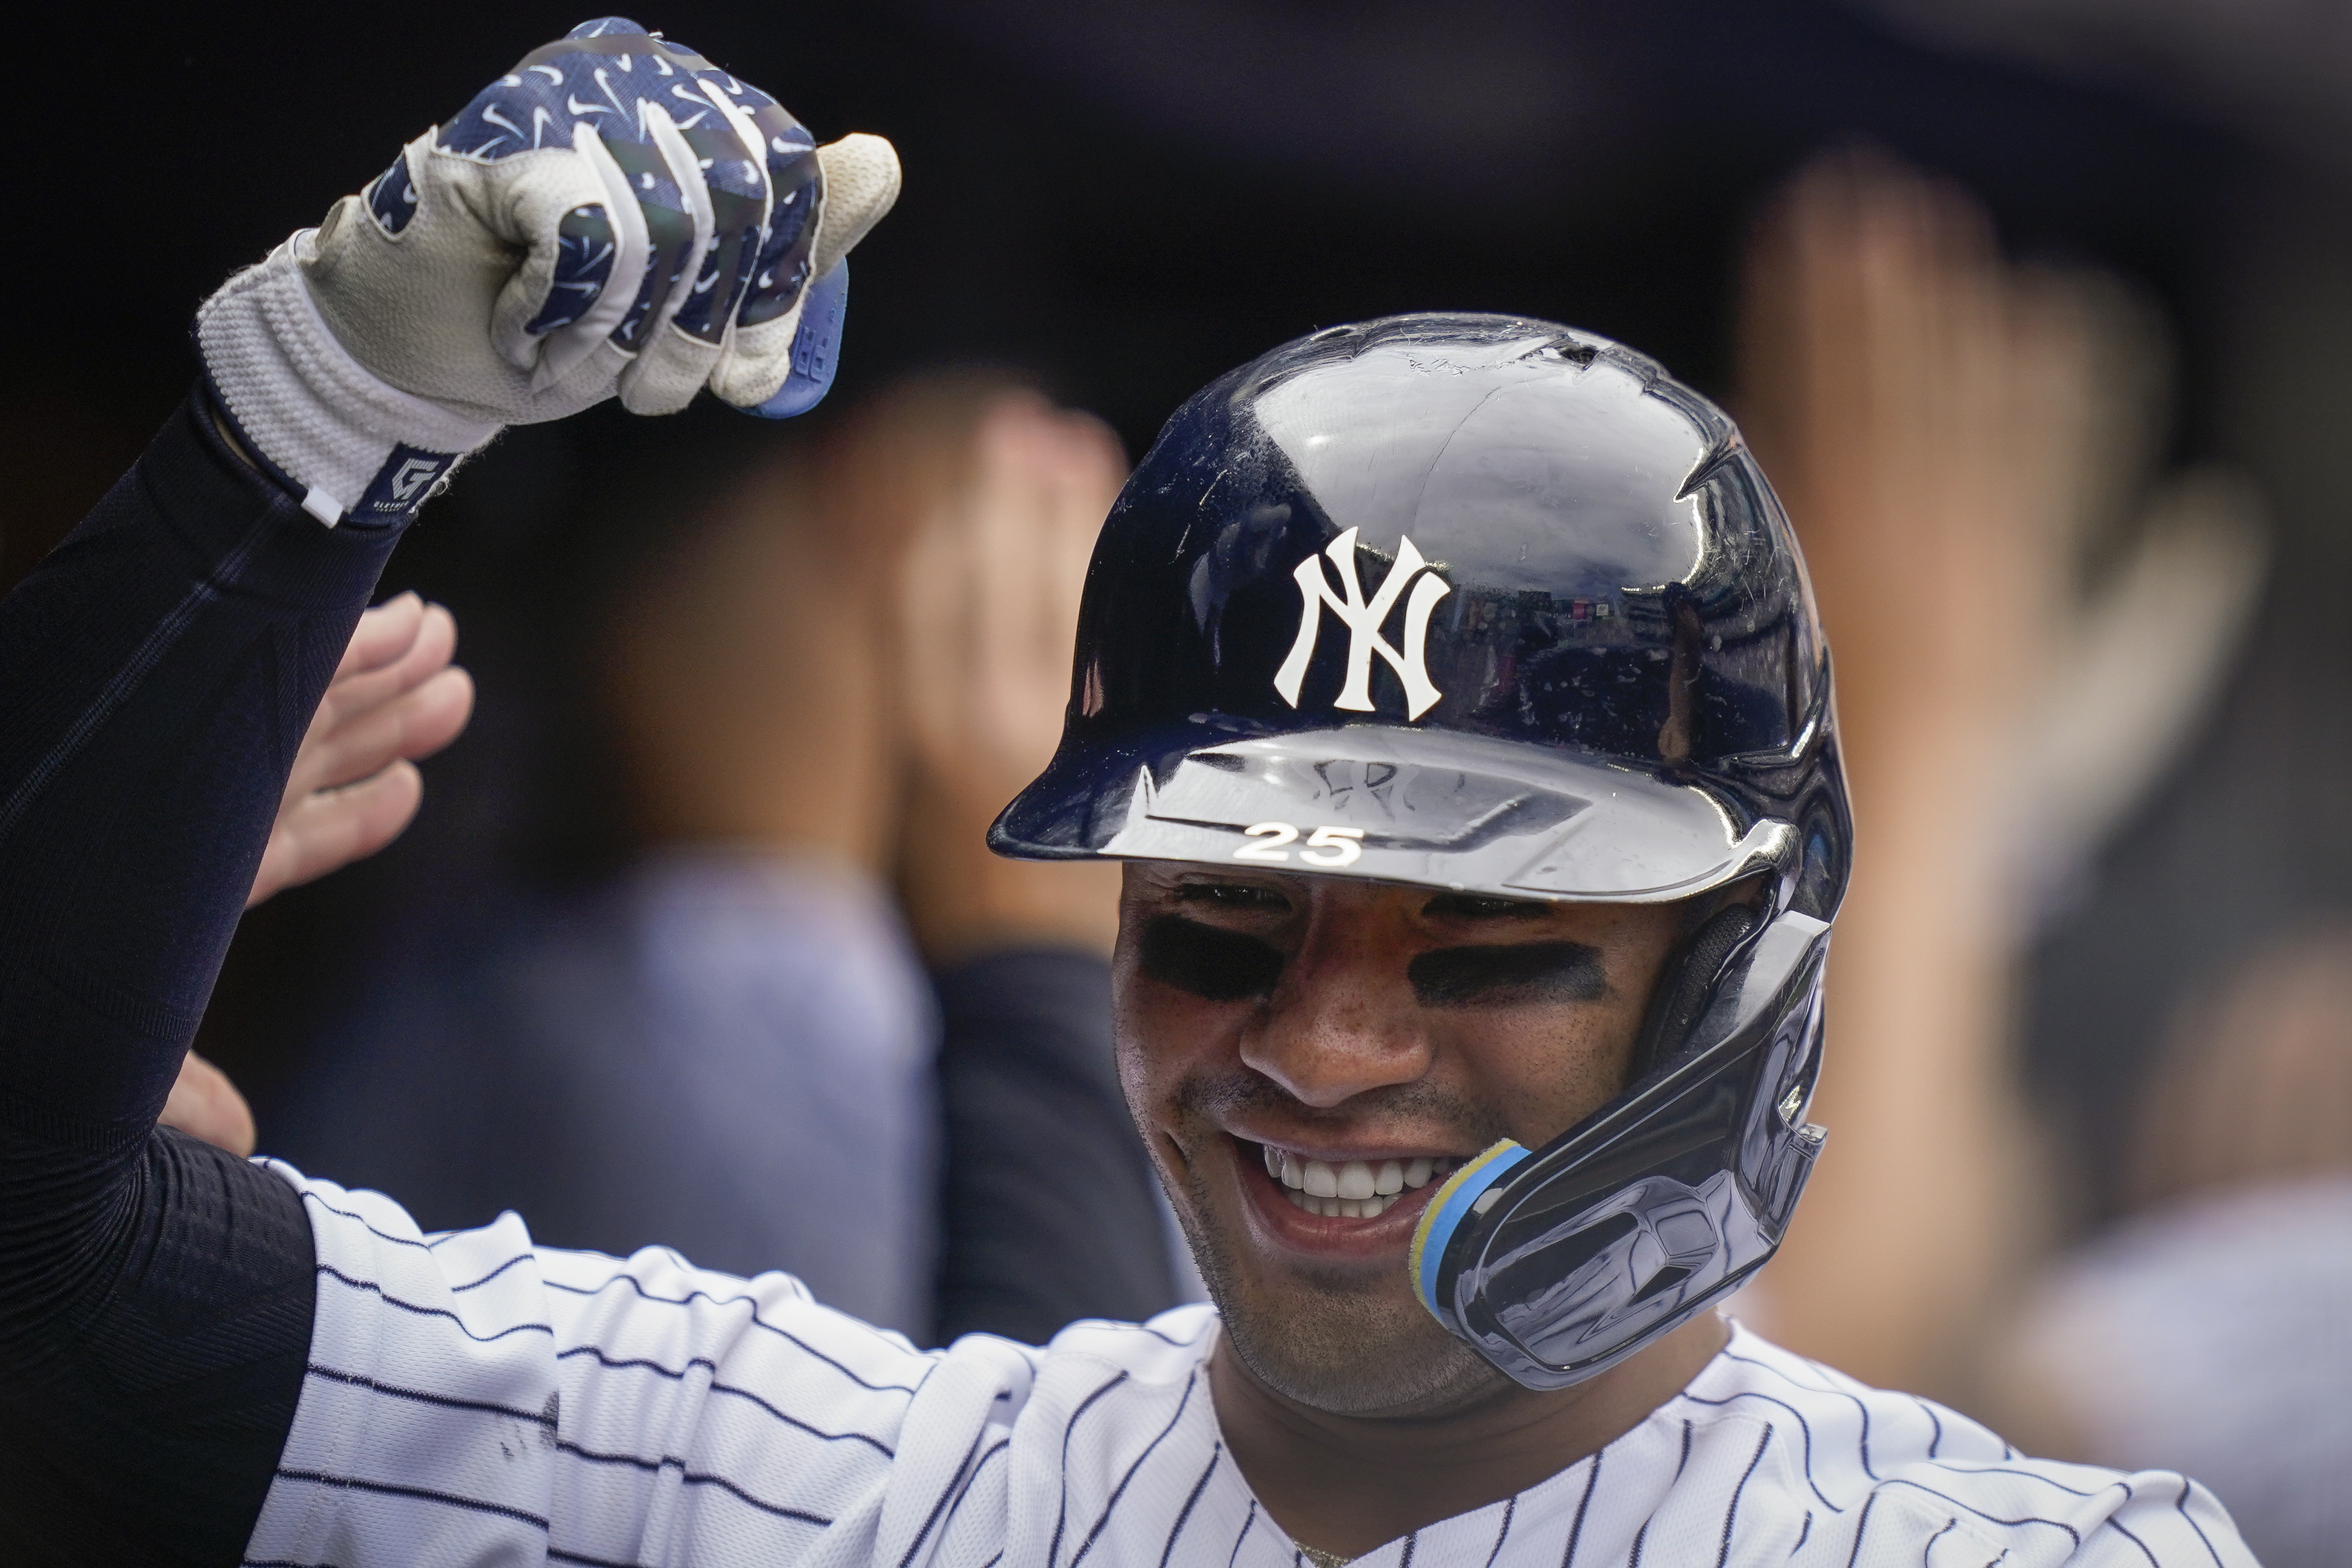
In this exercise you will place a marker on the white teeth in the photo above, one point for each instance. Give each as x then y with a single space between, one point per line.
1354 1189
1341 1207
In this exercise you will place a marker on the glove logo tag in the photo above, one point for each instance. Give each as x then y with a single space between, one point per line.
1362 618
409 478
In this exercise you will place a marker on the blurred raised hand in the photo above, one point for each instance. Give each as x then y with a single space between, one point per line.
395 699
1967 449
1911 397
988 615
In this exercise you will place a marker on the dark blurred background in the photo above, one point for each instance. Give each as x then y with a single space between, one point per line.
1134 198
1129 200
1124 200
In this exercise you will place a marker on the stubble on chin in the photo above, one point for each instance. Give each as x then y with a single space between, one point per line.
1334 1341
1340 1339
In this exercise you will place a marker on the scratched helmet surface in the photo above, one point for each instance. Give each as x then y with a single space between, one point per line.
1485 603
1495 605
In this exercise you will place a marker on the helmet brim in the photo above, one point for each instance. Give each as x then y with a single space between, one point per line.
1438 809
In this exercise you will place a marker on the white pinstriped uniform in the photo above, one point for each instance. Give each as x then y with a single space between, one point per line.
473 1399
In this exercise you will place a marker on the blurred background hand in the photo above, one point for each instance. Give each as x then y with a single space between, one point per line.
1898 386
988 614
1970 449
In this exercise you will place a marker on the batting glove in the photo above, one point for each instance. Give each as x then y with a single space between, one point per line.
615 215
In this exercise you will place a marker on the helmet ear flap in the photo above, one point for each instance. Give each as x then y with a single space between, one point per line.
1688 986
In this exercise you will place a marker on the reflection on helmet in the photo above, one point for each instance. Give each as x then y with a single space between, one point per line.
1485 603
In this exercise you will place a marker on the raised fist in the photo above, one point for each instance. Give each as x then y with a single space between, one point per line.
615 215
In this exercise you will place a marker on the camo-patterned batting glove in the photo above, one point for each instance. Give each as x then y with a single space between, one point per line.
615 215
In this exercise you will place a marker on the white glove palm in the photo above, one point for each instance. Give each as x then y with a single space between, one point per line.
615 215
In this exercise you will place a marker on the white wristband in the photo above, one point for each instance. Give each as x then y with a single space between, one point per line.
355 446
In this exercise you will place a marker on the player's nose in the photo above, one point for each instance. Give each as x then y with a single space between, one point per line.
1343 1019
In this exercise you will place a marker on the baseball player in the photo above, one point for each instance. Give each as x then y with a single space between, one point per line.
1450 689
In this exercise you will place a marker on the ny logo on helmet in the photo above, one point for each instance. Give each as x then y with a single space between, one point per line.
1362 621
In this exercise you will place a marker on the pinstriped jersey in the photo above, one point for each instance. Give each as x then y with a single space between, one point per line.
473 1399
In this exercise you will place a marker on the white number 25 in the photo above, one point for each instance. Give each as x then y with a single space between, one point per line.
1324 846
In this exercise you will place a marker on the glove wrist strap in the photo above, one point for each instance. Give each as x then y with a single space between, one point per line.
344 441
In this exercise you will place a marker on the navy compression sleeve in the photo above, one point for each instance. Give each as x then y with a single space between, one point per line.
157 672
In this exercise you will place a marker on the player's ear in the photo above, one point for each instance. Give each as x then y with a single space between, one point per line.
1713 926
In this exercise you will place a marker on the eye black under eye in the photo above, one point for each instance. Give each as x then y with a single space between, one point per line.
1511 975
1230 895
1476 907
1218 964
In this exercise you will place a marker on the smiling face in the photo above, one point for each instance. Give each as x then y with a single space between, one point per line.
1309 1055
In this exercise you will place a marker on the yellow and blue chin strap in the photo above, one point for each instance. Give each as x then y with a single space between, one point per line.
1465 1194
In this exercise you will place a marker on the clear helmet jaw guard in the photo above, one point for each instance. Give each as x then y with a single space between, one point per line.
1559 1263
1486 605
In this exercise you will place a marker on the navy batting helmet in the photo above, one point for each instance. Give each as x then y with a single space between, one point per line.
1488 604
